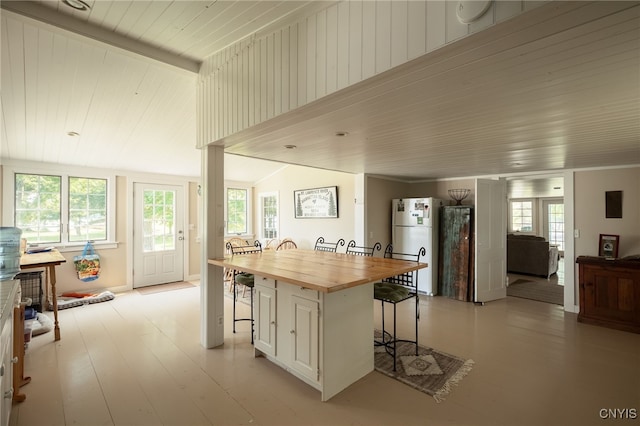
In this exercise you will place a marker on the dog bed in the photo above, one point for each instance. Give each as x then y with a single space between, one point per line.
41 324
71 300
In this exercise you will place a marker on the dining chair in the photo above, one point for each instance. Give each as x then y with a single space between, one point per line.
287 244
228 272
271 244
321 245
394 290
354 249
243 278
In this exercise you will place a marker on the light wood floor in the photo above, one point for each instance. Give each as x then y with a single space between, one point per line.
137 360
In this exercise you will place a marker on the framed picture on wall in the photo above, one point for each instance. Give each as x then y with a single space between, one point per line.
608 245
316 202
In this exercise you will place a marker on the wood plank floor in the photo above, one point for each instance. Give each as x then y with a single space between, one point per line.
137 360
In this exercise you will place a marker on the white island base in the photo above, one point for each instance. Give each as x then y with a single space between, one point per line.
325 339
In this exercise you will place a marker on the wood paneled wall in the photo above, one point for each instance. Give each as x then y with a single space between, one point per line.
267 75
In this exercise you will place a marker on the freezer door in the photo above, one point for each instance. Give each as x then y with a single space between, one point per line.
409 239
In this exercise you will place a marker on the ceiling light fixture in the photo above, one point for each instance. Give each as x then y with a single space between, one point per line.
77 4
291 146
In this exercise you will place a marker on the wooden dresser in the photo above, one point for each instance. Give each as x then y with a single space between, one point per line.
610 293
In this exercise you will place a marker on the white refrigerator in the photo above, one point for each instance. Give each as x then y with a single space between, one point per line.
414 224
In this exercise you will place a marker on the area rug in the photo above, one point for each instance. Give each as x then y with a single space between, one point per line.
540 291
431 371
160 288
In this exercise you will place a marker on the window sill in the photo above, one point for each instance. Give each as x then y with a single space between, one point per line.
63 248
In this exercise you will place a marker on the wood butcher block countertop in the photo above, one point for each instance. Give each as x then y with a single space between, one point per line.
317 270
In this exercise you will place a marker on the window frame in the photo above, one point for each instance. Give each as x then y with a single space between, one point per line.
8 200
261 197
249 209
533 215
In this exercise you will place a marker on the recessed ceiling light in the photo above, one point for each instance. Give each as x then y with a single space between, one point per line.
73 134
291 146
77 4
342 134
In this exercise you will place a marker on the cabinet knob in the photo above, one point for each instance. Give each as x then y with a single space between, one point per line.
273 323
14 360
292 332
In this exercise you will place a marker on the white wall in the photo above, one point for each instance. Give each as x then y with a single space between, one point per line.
590 188
305 231
115 260
266 75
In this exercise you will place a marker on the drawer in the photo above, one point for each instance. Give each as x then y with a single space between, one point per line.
264 281
304 292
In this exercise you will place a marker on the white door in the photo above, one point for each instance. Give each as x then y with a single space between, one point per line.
553 223
491 240
158 234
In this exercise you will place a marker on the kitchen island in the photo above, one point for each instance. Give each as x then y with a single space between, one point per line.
313 311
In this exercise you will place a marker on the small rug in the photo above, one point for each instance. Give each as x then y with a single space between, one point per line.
153 289
540 291
431 371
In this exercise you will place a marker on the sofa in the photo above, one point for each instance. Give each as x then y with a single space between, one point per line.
532 255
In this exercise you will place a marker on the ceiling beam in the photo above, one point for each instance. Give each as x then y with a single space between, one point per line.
65 22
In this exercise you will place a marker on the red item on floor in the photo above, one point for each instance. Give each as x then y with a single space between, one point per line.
77 295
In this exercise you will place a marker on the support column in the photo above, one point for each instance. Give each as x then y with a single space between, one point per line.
212 277
360 211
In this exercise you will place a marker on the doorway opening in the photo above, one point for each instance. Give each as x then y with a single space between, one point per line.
536 213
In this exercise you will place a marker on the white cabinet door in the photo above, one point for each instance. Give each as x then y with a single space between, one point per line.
304 337
264 315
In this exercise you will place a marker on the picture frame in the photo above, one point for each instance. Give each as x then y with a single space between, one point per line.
608 246
316 203
613 205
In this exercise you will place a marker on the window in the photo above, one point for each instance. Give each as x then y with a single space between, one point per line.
37 207
159 208
87 209
522 216
237 201
269 215
54 208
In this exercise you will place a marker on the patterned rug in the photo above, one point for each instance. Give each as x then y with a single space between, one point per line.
432 372
540 291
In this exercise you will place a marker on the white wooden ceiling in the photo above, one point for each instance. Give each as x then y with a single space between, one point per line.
519 97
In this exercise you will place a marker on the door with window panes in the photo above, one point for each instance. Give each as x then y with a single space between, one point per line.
554 222
158 234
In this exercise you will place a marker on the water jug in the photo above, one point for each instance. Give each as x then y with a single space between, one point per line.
9 252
